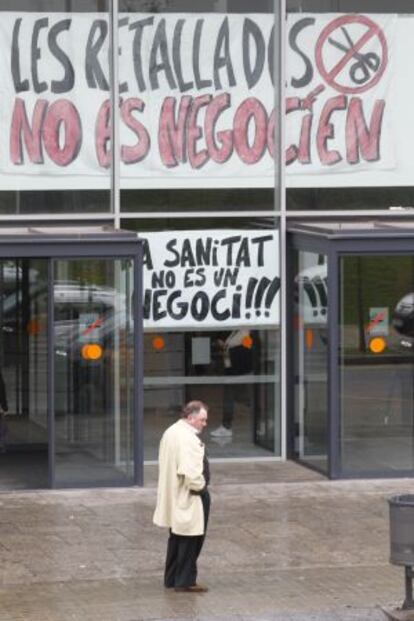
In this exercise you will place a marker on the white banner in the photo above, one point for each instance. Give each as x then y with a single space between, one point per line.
339 75
197 100
196 97
211 279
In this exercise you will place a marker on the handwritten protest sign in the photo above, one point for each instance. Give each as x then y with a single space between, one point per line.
211 278
197 100
339 77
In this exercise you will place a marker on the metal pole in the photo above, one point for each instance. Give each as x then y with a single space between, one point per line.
408 602
280 198
138 370
115 146
51 370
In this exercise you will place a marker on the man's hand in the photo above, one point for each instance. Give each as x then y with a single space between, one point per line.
199 492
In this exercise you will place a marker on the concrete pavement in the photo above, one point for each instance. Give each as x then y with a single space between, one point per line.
301 550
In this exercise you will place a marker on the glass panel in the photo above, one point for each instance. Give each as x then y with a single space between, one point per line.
201 135
94 358
341 199
23 376
347 146
205 200
56 155
232 371
186 357
311 359
376 363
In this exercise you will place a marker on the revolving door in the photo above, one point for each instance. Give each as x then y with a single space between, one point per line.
70 363
351 393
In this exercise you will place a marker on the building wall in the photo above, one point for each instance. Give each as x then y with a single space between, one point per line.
60 94
187 90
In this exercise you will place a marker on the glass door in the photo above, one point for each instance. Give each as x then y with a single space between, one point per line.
376 363
310 345
94 371
23 373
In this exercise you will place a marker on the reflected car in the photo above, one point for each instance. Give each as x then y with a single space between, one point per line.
89 323
84 362
403 320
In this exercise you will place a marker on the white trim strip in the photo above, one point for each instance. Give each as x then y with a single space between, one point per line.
182 380
52 217
199 214
230 460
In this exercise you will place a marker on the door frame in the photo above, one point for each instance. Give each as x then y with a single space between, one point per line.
298 243
83 243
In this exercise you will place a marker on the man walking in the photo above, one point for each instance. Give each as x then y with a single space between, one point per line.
183 501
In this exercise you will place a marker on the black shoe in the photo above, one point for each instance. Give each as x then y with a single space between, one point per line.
195 588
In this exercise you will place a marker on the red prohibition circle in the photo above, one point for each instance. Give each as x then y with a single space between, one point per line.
329 76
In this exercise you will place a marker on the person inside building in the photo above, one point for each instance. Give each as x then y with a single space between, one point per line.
183 500
237 351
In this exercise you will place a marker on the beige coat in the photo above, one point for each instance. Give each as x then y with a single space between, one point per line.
181 458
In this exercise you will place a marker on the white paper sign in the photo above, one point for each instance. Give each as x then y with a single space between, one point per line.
211 279
200 350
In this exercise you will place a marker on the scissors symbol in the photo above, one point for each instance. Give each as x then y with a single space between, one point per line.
361 70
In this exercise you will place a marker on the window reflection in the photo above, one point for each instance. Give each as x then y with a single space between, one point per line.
376 363
94 365
310 332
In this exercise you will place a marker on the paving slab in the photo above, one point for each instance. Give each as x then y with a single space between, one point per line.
301 550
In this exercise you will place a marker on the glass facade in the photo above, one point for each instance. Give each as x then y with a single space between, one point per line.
349 400
345 147
188 157
168 118
70 383
232 365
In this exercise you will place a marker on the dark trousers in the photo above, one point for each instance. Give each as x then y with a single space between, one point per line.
183 552
229 399
232 394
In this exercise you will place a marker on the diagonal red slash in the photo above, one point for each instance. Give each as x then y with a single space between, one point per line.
93 325
379 317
